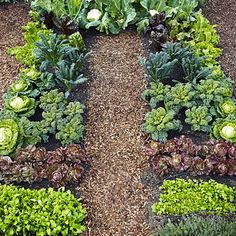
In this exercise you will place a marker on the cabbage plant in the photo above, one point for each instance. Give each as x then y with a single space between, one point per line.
227 107
225 129
10 136
22 105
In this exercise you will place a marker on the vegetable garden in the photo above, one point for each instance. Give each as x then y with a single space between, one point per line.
118 117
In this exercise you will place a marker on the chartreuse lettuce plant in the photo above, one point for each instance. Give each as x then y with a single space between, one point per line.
188 196
25 53
40 212
227 107
159 121
199 225
199 118
11 136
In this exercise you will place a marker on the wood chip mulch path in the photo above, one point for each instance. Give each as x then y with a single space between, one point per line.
115 196
12 18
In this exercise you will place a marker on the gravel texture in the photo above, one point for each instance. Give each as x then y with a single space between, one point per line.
12 18
115 196
223 14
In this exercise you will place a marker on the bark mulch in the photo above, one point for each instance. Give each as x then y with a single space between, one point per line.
223 14
12 18
115 197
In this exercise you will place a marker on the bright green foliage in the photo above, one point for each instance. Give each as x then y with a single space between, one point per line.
180 95
116 15
227 107
199 225
199 118
225 129
159 122
25 53
60 9
203 37
10 136
40 212
20 104
157 93
183 197
211 90
159 66
62 118
76 40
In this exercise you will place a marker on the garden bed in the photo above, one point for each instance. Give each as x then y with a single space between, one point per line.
114 174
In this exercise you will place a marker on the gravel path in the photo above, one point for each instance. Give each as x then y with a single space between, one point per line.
223 13
12 18
116 198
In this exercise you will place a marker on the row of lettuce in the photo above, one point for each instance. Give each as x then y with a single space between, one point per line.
185 79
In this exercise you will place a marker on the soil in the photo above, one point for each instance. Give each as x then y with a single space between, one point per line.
222 13
113 192
12 18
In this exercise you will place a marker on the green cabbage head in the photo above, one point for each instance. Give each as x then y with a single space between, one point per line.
10 136
20 86
22 105
227 107
226 130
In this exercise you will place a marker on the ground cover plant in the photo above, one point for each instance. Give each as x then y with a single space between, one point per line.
199 225
40 212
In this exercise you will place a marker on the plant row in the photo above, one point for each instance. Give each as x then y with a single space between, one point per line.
182 155
40 212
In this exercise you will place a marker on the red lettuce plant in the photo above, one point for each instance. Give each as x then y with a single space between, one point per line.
61 167
181 154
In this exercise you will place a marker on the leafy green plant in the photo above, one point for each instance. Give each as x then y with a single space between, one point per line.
211 90
62 118
159 122
199 118
25 53
156 93
40 212
225 129
111 16
199 225
159 66
20 104
61 167
187 196
181 154
180 95
11 135
227 107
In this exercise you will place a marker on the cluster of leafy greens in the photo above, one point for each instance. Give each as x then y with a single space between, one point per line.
40 212
199 225
181 196
181 155
61 167
180 84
